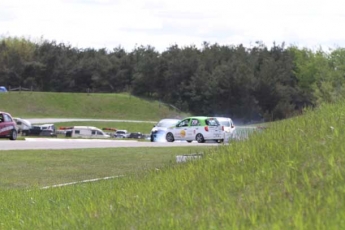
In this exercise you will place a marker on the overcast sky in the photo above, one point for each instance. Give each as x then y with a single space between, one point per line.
162 23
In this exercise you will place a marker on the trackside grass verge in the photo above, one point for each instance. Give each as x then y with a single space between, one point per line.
23 169
291 176
83 105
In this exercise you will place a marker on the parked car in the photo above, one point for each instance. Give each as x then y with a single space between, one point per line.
136 135
121 134
8 127
35 130
229 127
3 89
86 132
47 130
22 125
158 131
198 128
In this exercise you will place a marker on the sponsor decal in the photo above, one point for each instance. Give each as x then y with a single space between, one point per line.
183 133
6 128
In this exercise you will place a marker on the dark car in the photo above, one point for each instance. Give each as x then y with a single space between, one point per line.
136 135
47 130
33 131
8 127
48 133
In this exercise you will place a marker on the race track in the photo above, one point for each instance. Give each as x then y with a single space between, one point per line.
63 143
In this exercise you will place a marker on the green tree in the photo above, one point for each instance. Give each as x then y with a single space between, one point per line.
178 67
145 76
276 88
15 53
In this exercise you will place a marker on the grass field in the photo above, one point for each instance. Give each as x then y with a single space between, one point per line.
39 168
288 176
82 105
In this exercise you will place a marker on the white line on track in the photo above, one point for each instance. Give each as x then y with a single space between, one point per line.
83 181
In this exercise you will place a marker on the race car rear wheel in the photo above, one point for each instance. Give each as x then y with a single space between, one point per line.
200 138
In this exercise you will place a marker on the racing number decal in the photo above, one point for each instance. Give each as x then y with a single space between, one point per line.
6 128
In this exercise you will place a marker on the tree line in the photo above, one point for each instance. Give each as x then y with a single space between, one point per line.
224 80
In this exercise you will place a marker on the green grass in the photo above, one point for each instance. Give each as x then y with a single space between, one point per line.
38 168
82 105
289 176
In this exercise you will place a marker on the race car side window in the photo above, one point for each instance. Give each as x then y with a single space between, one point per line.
195 122
212 122
7 118
183 123
1 118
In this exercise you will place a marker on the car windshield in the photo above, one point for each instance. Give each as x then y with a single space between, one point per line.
224 123
212 122
167 123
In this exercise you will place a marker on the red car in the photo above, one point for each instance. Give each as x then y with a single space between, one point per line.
8 127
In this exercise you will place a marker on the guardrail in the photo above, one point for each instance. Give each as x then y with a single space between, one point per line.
20 88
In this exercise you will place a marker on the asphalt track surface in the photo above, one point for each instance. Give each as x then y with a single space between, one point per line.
59 143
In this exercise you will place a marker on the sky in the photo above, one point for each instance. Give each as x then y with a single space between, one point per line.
163 23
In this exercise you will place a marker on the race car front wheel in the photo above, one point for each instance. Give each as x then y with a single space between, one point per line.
13 135
169 137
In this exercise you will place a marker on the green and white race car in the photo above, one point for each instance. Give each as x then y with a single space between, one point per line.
199 128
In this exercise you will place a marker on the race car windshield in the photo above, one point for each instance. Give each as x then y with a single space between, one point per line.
212 122
166 123
225 123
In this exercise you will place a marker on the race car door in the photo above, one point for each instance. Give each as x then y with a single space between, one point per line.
2 125
181 128
6 126
194 129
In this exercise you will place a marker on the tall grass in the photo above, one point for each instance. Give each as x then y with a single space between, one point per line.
291 176
82 105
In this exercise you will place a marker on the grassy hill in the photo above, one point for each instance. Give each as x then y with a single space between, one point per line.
291 176
82 105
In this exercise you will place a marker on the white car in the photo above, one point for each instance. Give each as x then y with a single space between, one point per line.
229 127
121 134
22 124
158 131
86 132
197 128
